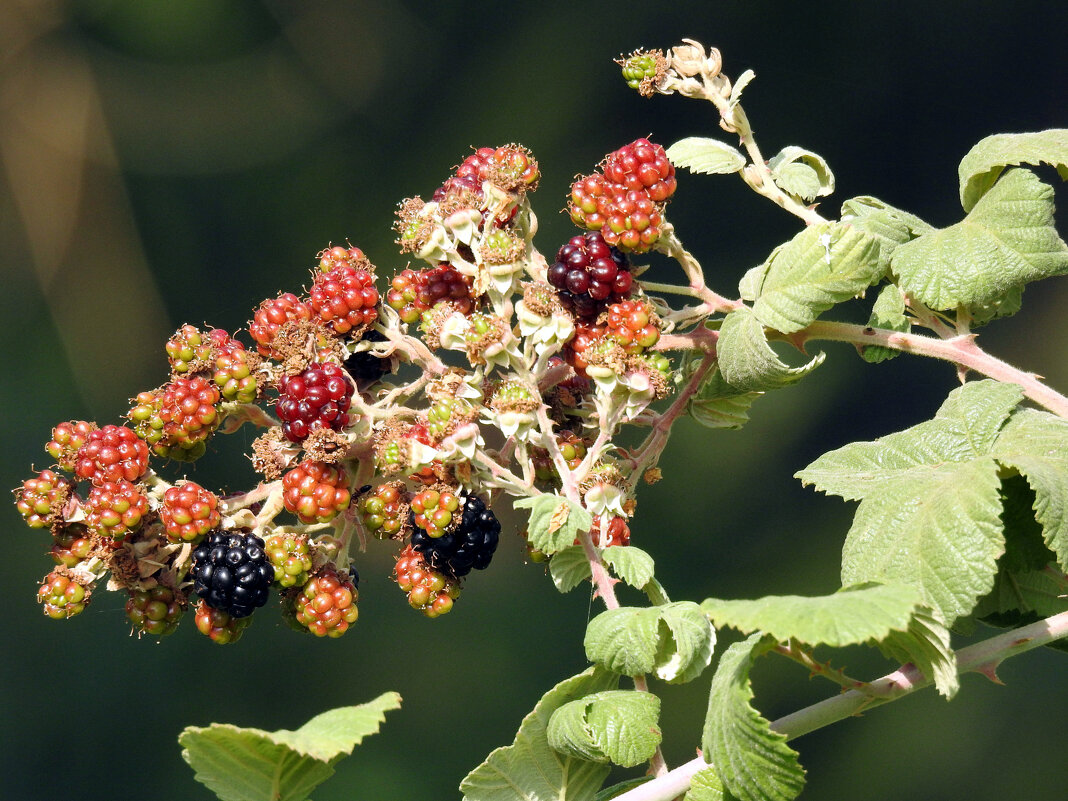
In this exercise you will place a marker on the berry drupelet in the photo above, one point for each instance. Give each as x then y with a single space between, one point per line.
589 274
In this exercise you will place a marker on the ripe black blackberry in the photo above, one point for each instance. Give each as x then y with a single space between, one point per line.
470 545
364 366
589 274
319 397
232 573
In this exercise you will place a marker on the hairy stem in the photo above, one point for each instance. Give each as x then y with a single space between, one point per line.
983 657
960 350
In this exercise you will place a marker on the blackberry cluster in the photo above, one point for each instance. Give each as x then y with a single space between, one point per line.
589 274
319 397
470 545
364 366
232 573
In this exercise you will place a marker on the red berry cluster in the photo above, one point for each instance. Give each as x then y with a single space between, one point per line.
430 591
435 511
319 397
67 440
326 605
188 512
316 492
589 274
271 315
414 292
625 202
633 324
345 298
155 611
385 510
41 499
111 453
115 509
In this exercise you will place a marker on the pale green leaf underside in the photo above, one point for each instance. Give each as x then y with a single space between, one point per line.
569 568
705 156
239 764
927 645
887 312
746 359
674 639
705 786
1042 592
619 726
801 173
1007 240
964 427
1036 444
848 617
528 769
985 162
686 650
936 528
823 265
631 564
753 762
719 405
891 226
550 529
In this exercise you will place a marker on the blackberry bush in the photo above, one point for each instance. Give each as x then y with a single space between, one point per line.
485 373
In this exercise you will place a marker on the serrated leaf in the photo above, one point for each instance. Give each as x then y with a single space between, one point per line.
887 312
747 361
717 404
241 764
889 225
823 265
850 616
1036 444
1037 593
964 427
705 156
801 173
624 640
569 568
1007 240
686 649
705 786
980 169
615 725
554 521
631 564
528 769
753 762
927 645
937 528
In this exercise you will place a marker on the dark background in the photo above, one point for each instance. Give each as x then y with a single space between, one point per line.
173 162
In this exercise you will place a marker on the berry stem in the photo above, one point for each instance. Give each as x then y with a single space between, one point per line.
796 651
960 350
669 245
228 506
982 657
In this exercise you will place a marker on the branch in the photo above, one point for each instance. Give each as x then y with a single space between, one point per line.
960 350
983 657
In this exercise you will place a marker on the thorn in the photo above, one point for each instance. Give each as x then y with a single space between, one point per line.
962 373
990 670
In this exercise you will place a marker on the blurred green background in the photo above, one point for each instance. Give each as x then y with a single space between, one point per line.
166 162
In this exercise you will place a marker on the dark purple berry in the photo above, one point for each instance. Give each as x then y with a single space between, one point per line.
317 398
589 274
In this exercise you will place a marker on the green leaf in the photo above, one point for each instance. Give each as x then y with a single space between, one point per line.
251 764
624 640
964 427
569 568
926 644
528 769
717 404
705 786
851 616
554 522
890 226
823 265
937 528
1036 444
631 564
615 725
1007 240
686 649
675 640
739 85
980 169
888 312
746 359
801 173
753 762
705 156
